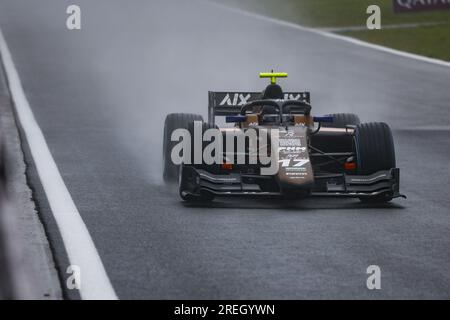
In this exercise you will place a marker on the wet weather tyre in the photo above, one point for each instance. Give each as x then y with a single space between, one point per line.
341 120
375 152
174 121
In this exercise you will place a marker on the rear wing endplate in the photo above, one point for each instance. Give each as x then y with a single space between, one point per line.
230 103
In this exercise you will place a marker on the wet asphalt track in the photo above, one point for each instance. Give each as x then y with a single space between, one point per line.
100 96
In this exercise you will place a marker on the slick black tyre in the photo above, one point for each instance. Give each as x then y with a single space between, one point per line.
374 148
341 120
174 121
375 152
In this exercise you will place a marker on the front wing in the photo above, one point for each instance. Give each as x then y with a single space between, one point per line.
196 181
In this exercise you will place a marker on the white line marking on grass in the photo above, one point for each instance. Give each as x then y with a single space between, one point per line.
80 248
334 36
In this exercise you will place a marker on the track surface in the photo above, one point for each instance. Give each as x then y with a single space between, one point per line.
100 96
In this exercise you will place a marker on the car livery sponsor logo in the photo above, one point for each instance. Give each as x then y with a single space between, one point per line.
290 96
298 175
289 134
294 150
290 143
237 99
241 98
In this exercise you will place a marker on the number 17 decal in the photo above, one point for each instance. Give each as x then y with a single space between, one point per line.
297 162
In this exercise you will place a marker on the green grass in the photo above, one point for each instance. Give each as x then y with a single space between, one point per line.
334 13
429 41
433 42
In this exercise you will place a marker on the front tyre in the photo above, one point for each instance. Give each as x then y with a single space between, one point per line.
375 152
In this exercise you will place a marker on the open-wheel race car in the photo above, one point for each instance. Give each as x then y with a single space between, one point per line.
333 155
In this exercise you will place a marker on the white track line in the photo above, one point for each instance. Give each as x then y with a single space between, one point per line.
80 248
334 36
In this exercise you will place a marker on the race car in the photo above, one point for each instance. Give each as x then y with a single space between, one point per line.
333 155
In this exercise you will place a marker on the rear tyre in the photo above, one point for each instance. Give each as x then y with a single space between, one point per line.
174 121
374 152
341 120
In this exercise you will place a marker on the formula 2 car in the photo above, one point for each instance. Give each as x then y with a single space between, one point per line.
333 155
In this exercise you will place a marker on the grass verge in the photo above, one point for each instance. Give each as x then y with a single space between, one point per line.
430 41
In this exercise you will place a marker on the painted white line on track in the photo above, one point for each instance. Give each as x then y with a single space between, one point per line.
333 35
80 248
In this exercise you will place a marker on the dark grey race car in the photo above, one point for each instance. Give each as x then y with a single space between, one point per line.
334 155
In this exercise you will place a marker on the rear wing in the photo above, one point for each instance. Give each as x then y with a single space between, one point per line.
230 103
